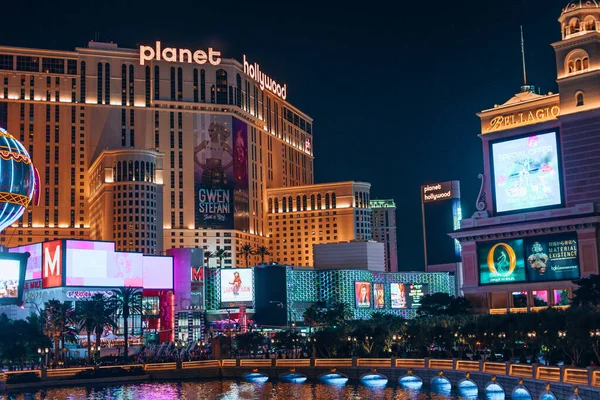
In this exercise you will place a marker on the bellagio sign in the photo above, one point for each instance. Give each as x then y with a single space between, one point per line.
172 54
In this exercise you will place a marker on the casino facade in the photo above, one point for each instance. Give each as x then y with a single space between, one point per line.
162 147
536 228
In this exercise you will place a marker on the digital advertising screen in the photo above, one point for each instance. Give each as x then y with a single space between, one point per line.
97 264
362 294
416 291
221 172
12 277
237 287
157 272
10 271
501 262
526 173
379 295
34 262
552 258
398 295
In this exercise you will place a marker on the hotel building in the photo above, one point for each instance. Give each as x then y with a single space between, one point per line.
383 230
159 148
536 228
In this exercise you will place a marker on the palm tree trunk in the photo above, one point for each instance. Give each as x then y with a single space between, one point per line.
262 258
247 259
126 327
89 337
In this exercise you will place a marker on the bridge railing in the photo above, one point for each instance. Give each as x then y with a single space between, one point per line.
574 376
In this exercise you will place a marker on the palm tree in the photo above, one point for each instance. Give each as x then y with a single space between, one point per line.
312 316
58 323
220 254
262 251
93 315
127 302
207 256
247 251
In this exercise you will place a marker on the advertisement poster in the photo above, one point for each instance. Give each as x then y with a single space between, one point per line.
237 287
416 293
362 294
52 266
501 262
526 173
197 286
398 295
34 262
221 172
552 258
379 295
9 278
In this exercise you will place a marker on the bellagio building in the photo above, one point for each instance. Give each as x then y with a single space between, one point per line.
536 228
158 147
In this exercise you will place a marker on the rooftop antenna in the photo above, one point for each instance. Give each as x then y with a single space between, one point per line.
523 55
525 87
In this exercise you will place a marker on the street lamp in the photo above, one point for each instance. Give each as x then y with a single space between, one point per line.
595 333
562 334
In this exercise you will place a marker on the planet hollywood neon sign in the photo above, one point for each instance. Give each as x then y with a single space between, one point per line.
254 72
172 54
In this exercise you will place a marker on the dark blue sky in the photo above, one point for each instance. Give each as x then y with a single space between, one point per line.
393 89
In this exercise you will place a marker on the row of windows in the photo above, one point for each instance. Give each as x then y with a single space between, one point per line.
138 171
32 64
287 204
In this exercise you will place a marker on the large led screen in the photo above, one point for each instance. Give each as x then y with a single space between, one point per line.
10 272
97 264
362 294
552 258
398 295
237 287
501 262
34 262
157 272
221 172
379 295
416 292
526 173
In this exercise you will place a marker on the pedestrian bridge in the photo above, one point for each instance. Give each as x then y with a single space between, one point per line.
470 379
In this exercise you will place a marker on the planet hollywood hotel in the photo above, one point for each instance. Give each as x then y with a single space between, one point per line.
164 147
536 228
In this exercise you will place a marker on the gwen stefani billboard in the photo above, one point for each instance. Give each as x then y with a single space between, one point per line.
221 172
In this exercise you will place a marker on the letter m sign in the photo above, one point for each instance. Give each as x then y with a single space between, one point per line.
197 274
52 264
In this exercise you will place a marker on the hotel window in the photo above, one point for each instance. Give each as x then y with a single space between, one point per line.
123 84
579 99
179 84
156 82
99 83
238 90
28 64
318 201
6 62
107 83
131 84
333 201
212 94
82 83
202 86
195 85
147 85
577 61
53 65
72 67
312 201
172 83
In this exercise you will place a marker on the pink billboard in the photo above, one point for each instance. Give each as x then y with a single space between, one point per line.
34 262
157 272
97 264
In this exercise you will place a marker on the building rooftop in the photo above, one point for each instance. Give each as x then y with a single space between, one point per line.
382 204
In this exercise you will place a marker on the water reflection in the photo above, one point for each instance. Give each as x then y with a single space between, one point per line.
236 390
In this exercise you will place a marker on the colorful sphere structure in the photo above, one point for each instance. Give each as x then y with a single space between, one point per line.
18 179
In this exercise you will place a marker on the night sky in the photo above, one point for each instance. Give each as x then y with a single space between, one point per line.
393 90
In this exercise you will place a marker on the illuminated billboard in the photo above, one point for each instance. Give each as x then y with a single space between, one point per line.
526 173
34 262
552 258
52 264
416 291
379 295
398 295
157 272
533 259
97 264
221 172
237 287
362 294
501 262
12 277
